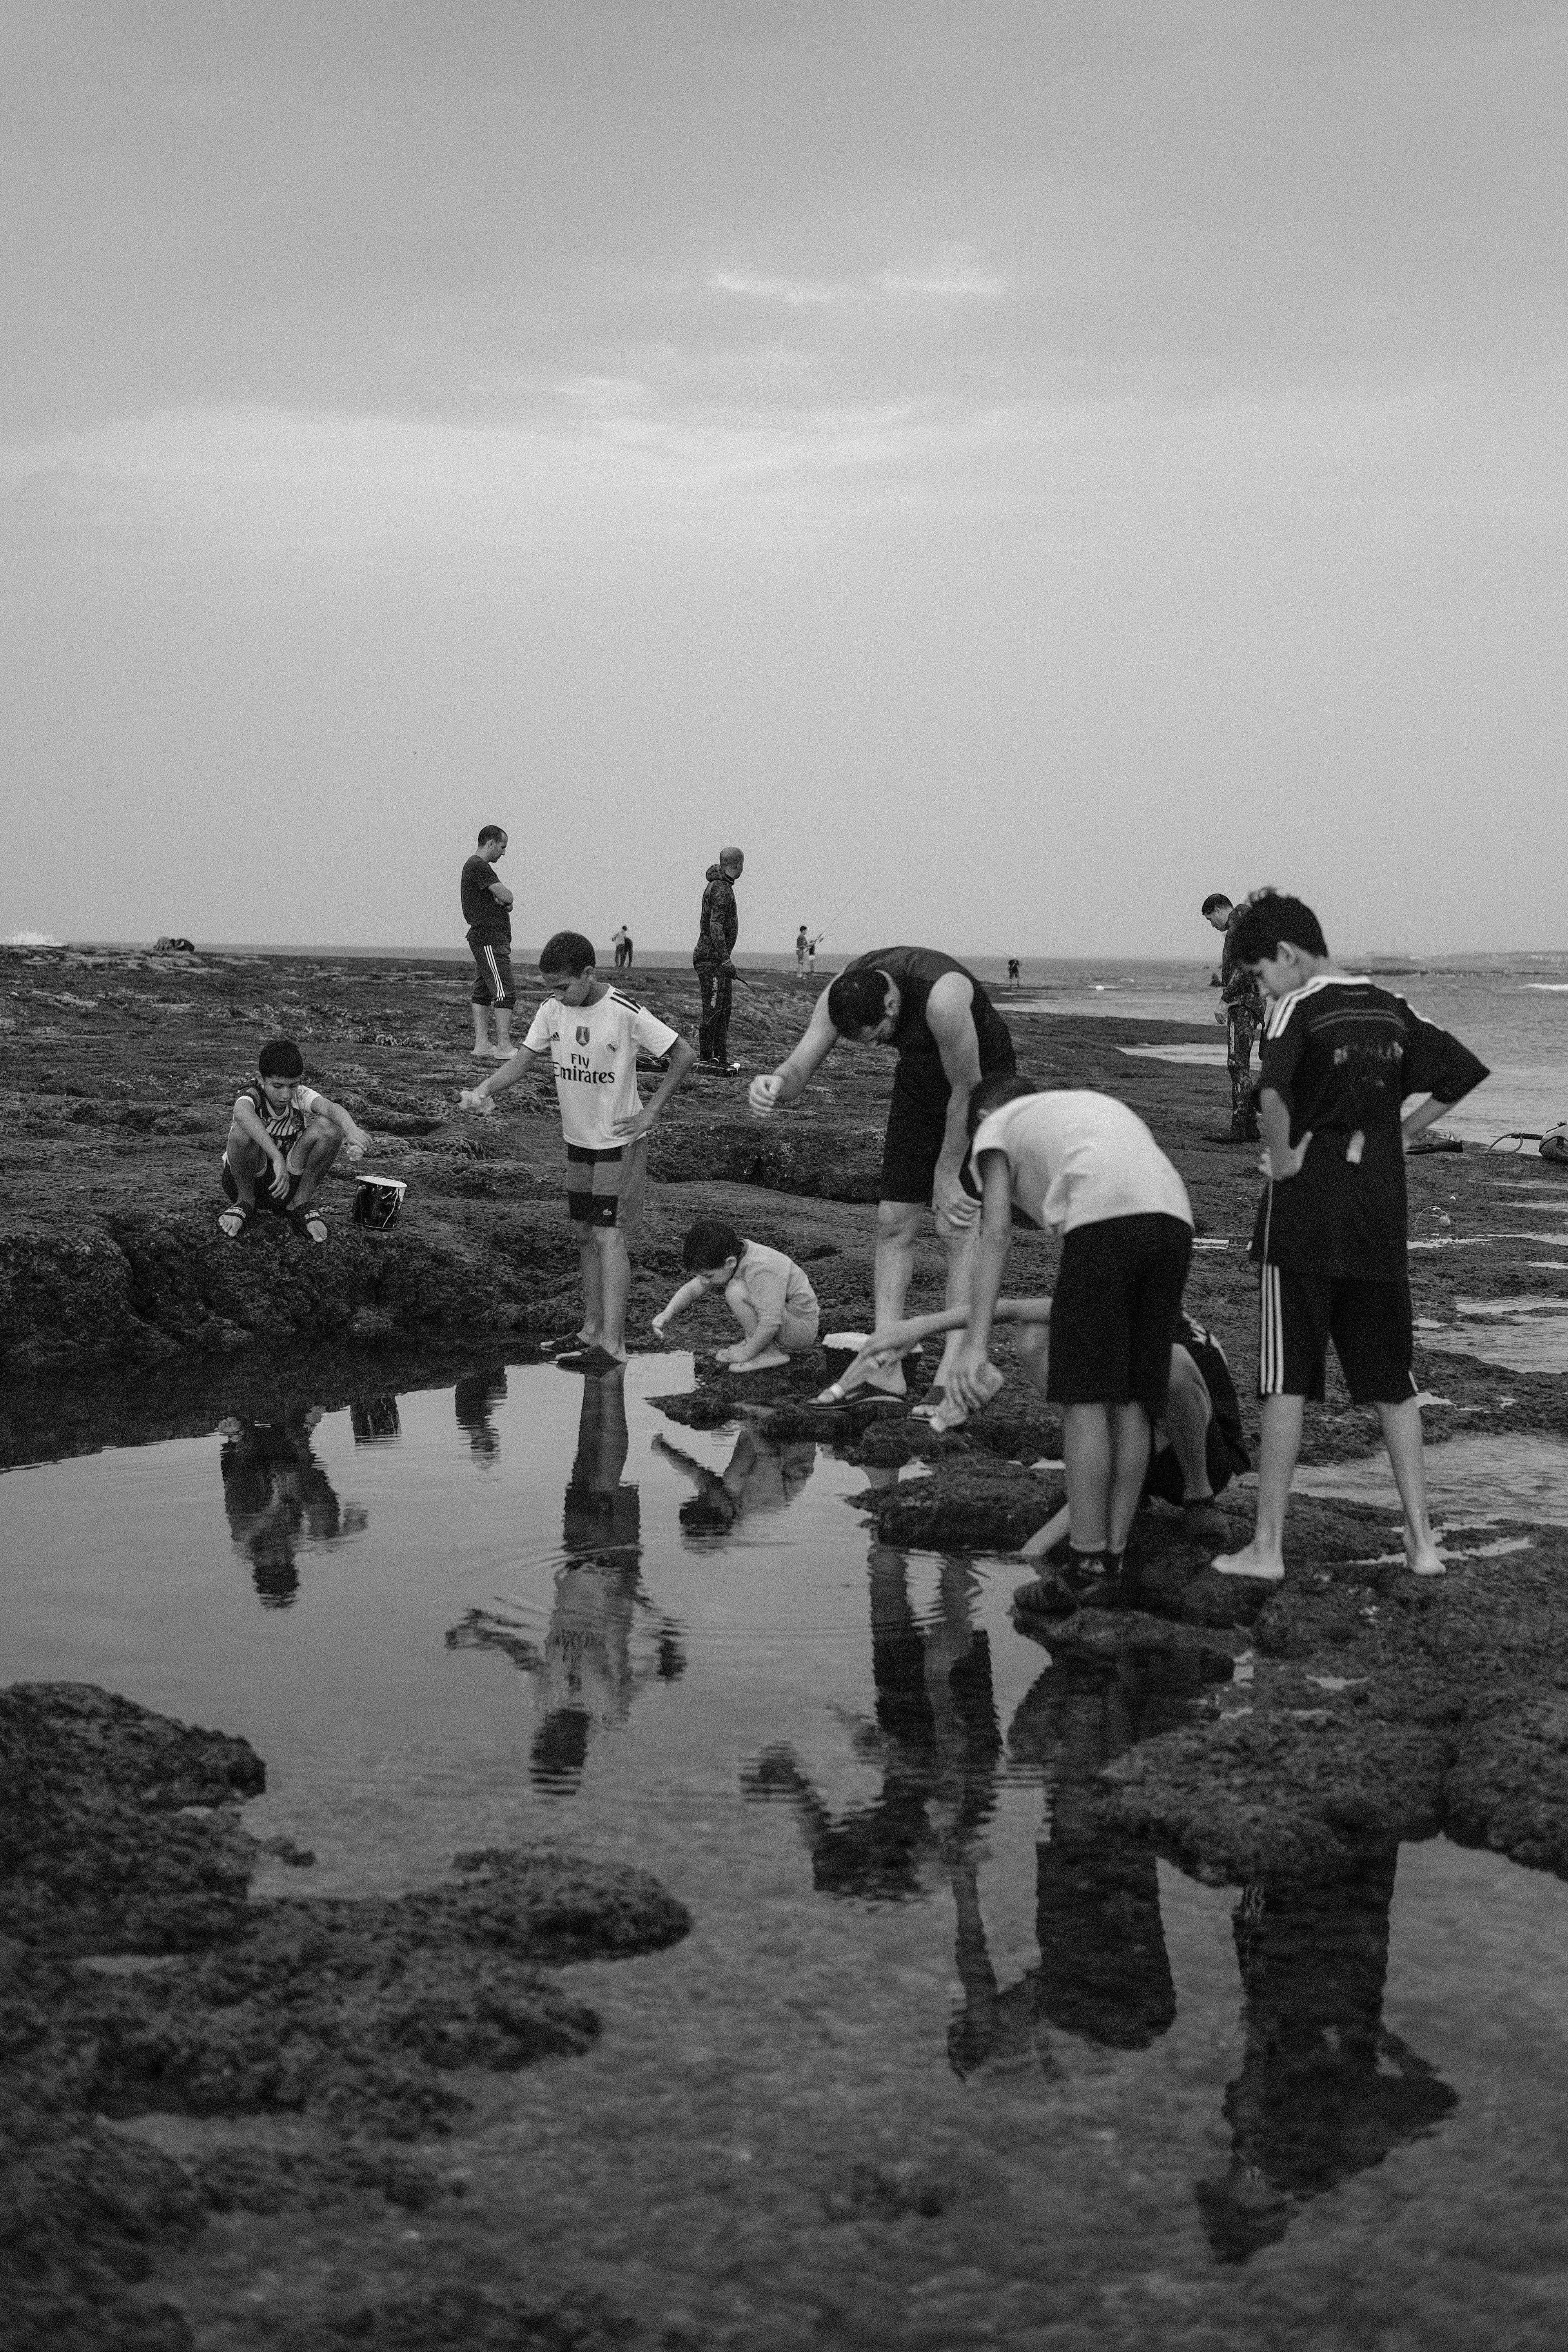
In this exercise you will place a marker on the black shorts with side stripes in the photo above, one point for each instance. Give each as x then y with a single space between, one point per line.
493 982
606 1188
1368 1323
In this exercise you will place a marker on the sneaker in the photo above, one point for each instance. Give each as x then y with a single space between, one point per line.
565 1343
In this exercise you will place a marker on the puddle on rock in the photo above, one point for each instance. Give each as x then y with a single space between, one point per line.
937 2067
1485 1478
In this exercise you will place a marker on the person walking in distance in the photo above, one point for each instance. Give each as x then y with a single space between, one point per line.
717 933
487 910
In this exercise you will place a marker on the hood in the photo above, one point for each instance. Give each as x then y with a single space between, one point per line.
713 874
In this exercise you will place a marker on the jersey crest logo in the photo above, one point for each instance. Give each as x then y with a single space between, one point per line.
582 1036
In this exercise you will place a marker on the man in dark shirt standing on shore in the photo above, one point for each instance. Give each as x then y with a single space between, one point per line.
717 933
487 910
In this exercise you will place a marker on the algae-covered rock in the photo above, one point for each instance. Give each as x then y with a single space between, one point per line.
118 1838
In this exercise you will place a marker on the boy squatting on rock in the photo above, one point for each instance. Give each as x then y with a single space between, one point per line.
765 1291
1341 1058
1084 1166
280 1120
590 1033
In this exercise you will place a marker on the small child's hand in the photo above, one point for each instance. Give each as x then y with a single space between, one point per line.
471 1100
762 1094
358 1150
656 1325
278 1181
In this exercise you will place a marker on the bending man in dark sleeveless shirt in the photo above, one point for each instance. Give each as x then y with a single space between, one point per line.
947 1034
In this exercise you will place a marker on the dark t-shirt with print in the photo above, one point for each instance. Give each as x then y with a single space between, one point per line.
480 911
1344 1057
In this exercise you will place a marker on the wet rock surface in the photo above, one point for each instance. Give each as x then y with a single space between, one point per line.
138 1979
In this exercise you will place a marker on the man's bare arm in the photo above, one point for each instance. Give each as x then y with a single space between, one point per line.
499 892
789 1081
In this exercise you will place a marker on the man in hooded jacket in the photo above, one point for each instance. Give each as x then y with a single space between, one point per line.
717 934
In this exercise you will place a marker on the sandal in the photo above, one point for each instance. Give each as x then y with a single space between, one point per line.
309 1222
233 1220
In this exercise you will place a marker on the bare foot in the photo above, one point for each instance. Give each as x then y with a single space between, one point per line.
1251 1562
481 1052
769 1357
1422 1557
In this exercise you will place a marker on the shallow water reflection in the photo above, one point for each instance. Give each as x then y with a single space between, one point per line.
938 2067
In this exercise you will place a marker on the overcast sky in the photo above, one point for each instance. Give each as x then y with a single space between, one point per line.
1027 465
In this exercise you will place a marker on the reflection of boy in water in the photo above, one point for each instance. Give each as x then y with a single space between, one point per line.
472 1400
1103 1971
763 1474
374 1420
278 1499
1325 2090
588 1673
940 1745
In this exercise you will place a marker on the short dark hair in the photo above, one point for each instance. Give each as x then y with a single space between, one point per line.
1269 918
1216 899
857 1000
707 1244
566 952
492 832
280 1058
1001 1086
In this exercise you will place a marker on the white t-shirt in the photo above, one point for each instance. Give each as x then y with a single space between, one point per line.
595 1050
1079 1158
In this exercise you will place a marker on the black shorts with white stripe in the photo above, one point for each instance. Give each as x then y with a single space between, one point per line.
493 982
1368 1323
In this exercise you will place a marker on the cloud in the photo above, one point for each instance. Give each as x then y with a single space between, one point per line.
800 292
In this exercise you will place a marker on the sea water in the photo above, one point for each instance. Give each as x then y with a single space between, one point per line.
937 2067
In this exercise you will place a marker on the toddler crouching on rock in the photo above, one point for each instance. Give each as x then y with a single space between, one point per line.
765 1291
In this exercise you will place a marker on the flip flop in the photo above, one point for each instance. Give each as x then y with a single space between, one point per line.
930 1405
594 1360
308 1223
242 1216
565 1343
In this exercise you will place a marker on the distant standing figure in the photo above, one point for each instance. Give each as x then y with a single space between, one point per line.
1012 972
487 910
811 948
621 942
801 948
717 932
1242 1013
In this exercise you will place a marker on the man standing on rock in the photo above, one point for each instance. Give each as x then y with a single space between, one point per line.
947 1034
717 933
1241 1010
487 910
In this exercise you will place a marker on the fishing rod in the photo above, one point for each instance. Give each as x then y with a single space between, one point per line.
843 910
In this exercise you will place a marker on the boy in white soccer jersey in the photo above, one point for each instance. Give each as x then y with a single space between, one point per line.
591 1033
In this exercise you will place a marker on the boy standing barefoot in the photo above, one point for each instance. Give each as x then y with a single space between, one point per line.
284 1131
1341 1056
590 1034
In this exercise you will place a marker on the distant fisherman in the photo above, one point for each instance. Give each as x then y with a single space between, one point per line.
947 1034
1242 1013
717 929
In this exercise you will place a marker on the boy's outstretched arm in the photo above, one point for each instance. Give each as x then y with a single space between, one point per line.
686 1296
482 1097
971 1377
682 1058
